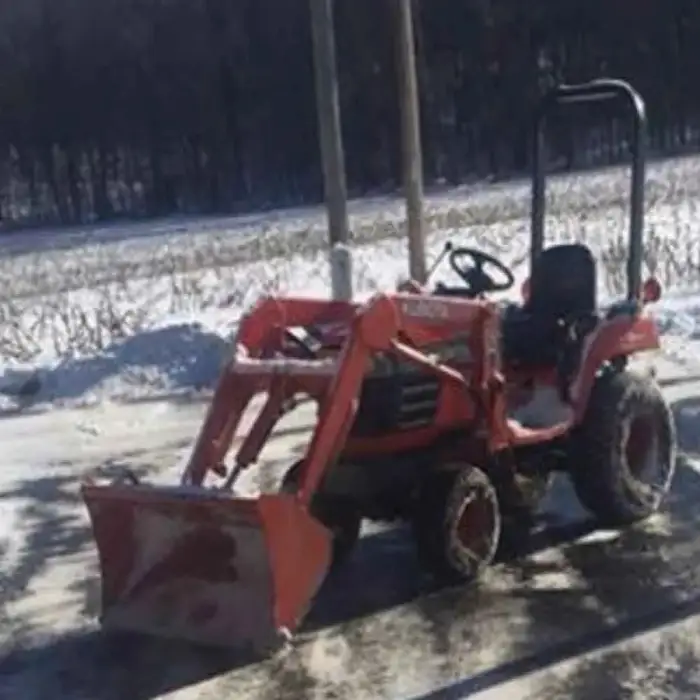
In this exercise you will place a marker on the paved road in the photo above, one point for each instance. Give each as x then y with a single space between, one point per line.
557 623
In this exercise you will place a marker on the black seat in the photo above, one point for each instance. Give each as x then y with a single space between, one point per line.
563 282
563 292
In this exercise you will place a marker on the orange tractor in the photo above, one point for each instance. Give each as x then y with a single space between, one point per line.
442 409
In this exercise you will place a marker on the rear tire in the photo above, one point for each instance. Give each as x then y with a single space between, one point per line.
337 514
457 524
623 455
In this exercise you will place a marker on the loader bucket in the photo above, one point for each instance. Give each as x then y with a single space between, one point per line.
205 566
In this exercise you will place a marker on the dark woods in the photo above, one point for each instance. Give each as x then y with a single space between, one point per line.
144 107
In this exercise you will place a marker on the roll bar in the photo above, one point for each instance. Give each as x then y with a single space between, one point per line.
604 89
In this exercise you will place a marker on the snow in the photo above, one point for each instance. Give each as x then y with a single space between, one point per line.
214 296
116 318
180 338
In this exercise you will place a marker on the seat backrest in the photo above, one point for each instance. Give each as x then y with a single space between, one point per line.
563 282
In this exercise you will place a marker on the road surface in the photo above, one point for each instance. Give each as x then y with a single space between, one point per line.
565 621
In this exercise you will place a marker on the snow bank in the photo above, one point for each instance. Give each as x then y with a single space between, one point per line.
176 358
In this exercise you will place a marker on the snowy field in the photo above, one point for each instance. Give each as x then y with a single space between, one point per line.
111 329
122 311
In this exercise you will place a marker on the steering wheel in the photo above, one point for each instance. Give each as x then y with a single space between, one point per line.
474 276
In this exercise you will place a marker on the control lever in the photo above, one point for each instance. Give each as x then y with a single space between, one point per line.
436 263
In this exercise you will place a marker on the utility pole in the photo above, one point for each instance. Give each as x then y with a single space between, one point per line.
331 142
411 140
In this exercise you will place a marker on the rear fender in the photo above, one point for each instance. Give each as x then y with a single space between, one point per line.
616 337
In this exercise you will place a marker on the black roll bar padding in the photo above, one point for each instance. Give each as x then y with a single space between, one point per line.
600 90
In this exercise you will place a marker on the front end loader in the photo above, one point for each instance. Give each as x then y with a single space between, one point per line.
194 560
433 408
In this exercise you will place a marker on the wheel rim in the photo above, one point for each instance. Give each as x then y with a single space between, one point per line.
475 527
646 463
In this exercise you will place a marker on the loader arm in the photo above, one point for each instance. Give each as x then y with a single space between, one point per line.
393 324
257 367
378 328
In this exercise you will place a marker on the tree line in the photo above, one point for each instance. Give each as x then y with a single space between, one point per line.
148 107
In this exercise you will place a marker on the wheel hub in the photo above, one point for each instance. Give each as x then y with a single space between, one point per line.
475 528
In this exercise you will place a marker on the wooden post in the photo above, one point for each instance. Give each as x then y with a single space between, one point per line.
411 140
330 136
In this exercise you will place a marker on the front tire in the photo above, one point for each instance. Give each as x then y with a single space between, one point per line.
624 453
457 524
